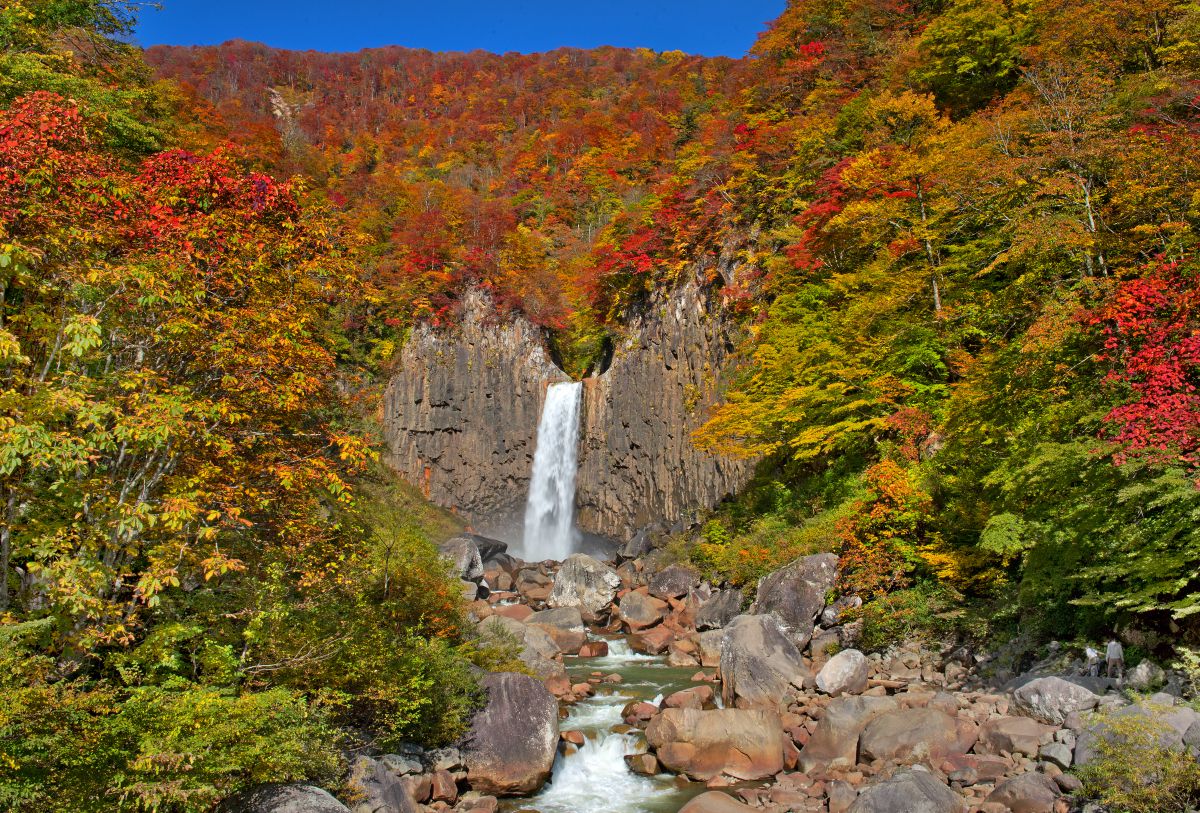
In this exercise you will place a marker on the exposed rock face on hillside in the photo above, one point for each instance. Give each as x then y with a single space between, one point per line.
638 464
461 417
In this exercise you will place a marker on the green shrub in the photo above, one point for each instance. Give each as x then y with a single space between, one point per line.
71 748
1135 771
926 610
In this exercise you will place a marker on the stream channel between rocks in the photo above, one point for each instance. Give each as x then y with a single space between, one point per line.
595 778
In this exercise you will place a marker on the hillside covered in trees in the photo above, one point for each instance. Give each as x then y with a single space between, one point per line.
959 236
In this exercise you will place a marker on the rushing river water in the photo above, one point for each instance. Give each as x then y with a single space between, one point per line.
595 779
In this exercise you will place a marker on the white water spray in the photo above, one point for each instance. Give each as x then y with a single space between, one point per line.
550 531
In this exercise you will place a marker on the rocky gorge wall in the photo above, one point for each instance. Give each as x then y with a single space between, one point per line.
461 415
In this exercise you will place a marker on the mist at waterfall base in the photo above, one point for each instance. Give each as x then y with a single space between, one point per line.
550 531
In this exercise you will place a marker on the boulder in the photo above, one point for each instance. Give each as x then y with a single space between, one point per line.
463 555
719 609
539 651
1027 793
490 550
834 743
911 735
1016 735
1051 699
1145 677
760 664
714 801
653 641
674 581
585 583
283 799
911 791
741 743
564 625
796 593
510 748
638 610
844 673
372 784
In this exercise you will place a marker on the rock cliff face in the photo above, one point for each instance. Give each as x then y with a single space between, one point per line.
461 415
461 418
638 464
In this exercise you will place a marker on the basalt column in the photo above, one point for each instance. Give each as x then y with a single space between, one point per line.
461 414
638 464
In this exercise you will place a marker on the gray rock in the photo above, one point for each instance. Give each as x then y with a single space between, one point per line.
1027 793
674 581
796 593
400 765
373 785
911 791
1058 753
283 799
844 673
1146 676
585 583
1051 699
564 618
463 555
444 759
915 734
719 609
510 748
760 665
834 743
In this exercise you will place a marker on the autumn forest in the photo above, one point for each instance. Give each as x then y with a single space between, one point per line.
958 238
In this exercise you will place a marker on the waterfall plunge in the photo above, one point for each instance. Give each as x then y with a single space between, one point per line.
550 531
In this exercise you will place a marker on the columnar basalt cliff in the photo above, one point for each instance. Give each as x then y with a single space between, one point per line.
638 464
461 417
461 414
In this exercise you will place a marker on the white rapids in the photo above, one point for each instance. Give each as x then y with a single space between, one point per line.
596 780
550 531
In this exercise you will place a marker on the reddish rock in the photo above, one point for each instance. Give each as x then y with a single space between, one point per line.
517 612
715 802
639 712
443 788
745 744
653 641
911 735
1027 793
639 611
594 649
1012 734
573 737
642 764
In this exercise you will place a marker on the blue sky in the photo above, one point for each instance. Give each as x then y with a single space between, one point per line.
709 27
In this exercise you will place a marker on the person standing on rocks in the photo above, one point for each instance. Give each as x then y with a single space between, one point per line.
1093 661
1115 656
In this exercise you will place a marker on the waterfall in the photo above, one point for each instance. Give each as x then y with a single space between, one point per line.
550 531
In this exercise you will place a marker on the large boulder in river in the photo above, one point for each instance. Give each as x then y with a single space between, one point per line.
834 743
916 734
585 583
760 665
742 743
463 555
564 625
1051 699
674 581
796 593
715 802
911 791
510 748
283 799
844 673
719 609
638 610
